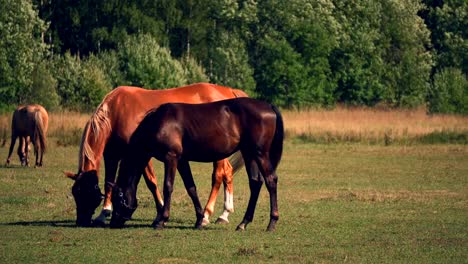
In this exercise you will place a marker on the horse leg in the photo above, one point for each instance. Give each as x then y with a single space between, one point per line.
40 159
41 153
151 182
222 172
12 146
111 161
26 140
228 174
271 182
187 177
170 167
36 152
255 184
20 151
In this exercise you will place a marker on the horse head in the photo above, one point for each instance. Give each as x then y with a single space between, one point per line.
87 196
123 206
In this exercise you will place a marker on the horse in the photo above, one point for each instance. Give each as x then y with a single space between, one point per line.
29 123
177 133
108 132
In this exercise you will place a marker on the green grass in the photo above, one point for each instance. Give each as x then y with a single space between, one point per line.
338 203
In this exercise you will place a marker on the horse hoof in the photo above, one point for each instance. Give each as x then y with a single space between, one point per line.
205 222
222 221
98 223
159 226
240 227
106 213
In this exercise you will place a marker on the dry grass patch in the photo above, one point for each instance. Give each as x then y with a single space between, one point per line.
369 125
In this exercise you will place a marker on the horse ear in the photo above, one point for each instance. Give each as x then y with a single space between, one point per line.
70 175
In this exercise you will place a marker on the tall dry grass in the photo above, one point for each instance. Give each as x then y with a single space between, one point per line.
337 125
369 125
66 122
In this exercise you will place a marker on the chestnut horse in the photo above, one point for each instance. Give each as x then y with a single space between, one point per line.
177 133
108 132
29 123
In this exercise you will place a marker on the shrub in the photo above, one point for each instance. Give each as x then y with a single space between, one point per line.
449 92
44 87
81 84
93 86
194 72
146 64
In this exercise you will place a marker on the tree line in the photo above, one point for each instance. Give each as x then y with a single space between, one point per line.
296 53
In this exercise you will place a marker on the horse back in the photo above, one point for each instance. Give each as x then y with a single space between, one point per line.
211 131
130 104
25 118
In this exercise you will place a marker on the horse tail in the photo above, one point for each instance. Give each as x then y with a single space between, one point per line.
277 145
237 162
39 131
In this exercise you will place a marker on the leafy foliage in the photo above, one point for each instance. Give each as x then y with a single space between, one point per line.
44 87
297 53
146 64
449 93
81 84
20 48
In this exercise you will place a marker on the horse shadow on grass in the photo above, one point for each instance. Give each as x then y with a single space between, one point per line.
56 223
15 166
133 224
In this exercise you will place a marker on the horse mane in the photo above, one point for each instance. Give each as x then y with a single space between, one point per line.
98 124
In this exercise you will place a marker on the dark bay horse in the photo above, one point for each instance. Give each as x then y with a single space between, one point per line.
178 133
29 123
108 132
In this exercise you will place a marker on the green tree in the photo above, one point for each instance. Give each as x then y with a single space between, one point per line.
81 82
449 93
110 64
194 72
448 23
290 50
407 61
93 85
357 60
84 27
146 64
21 47
382 56
44 87
229 63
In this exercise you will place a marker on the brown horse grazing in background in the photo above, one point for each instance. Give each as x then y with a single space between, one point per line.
107 135
178 133
29 123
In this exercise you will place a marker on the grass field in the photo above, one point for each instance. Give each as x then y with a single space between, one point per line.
338 203
373 196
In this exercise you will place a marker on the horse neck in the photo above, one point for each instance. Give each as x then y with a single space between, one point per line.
130 170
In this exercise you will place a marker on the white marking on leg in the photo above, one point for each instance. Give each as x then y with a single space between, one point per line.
224 216
228 201
206 220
